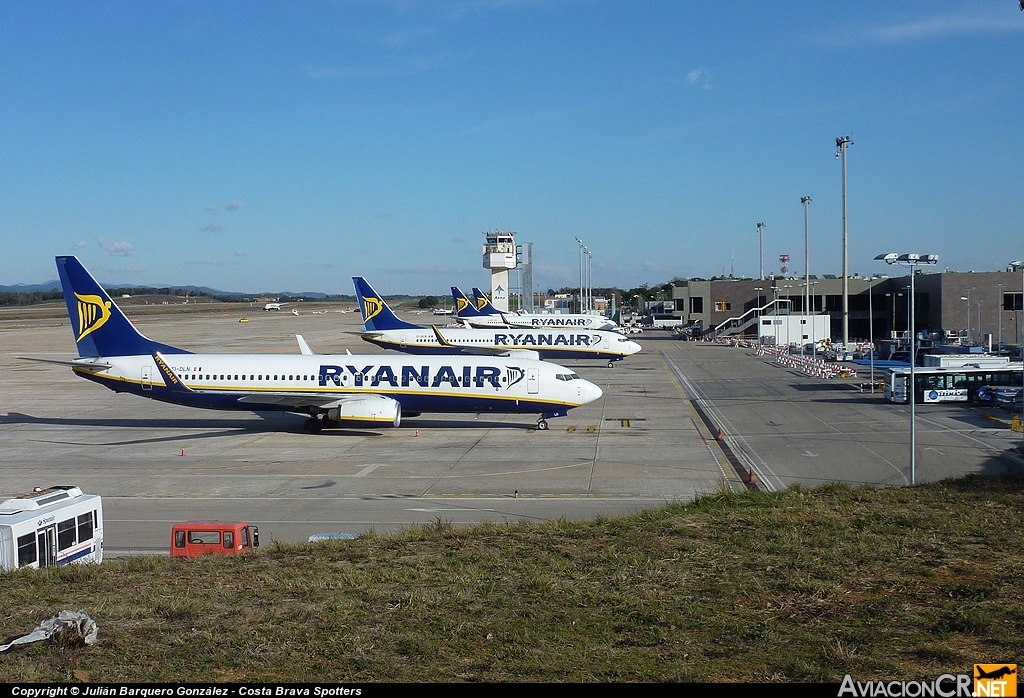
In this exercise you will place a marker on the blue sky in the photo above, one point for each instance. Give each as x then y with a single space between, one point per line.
289 146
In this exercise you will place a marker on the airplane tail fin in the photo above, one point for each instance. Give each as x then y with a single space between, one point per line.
463 306
483 305
100 328
376 313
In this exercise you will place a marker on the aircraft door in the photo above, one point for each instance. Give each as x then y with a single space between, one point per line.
532 381
402 338
146 384
47 545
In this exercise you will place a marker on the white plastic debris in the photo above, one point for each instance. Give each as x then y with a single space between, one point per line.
77 623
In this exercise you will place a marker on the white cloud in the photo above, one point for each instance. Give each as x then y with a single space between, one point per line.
233 205
214 228
239 253
698 78
966 23
118 249
80 244
211 208
949 25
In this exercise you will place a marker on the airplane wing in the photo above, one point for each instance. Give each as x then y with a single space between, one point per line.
488 351
85 363
303 400
304 347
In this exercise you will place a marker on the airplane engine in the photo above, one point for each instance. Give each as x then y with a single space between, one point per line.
368 409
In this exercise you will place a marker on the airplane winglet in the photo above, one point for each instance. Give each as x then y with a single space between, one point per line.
171 379
304 347
440 338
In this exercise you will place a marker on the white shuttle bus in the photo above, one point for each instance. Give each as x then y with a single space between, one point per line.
55 526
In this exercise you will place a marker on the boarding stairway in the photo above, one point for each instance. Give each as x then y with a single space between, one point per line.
740 324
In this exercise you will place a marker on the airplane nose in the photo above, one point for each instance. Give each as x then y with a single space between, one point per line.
590 392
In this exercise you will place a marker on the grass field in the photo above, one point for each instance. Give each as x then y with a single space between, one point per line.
803 585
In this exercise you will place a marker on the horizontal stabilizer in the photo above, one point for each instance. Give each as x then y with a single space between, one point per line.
84 363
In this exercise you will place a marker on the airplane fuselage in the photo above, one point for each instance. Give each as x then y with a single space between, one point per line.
435 384
548 343
542 321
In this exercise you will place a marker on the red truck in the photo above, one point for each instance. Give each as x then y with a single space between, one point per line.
195 538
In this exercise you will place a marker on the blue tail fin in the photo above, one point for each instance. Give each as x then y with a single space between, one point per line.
463 306
482 304
376 313
100 328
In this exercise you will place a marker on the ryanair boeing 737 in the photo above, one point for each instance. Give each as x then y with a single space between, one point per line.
480 313
331 389
383 328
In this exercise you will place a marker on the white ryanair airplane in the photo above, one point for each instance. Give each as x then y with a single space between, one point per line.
480 313
383 328
331 389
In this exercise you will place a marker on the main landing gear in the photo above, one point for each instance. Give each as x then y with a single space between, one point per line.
542 424
316 423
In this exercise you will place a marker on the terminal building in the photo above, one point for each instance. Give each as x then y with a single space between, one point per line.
967 305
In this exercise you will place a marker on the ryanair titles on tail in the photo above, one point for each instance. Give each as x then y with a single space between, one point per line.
551 339
453 376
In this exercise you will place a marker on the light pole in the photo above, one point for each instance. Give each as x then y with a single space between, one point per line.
981 335
806 200
841 144
911 260
999 341
1019 264
758 314
586 279
968 299
580 243
814 348
760 237
871 332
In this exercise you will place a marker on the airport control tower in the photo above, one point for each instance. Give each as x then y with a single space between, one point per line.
500 258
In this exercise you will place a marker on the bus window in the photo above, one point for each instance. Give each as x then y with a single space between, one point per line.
84 527
245 536
179 539
204 537
66 534
959 380
26 549
229 540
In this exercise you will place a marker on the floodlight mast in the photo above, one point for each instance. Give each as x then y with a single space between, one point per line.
1019 265
760 237
911 260
841 144
806 200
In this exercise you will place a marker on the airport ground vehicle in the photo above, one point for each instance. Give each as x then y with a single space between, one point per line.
958 384
196 538
55 526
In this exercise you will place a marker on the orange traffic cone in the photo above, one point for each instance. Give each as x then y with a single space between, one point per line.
750 478
719 437
182 453
417 432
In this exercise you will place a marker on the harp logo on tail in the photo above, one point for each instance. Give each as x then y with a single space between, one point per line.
463 303
93 311
372 306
